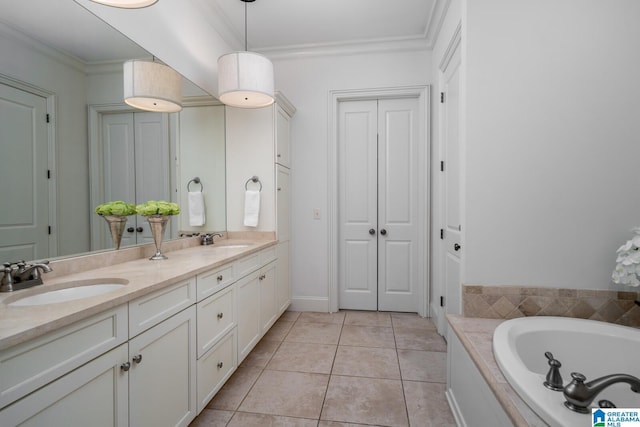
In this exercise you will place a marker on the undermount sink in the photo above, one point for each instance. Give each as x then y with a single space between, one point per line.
70 292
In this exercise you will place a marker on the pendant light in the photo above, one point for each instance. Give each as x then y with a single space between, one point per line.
152 86
245 79
126 4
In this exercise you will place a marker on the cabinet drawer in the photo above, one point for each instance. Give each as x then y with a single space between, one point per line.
267 255
216 317
212 281
215 367
247 264
152 309
31 365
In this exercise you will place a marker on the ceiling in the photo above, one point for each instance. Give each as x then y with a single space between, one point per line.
275 27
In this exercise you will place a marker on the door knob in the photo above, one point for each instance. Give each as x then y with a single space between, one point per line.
456 247
139 229
372 231
125 366
383 232
137 358
131 229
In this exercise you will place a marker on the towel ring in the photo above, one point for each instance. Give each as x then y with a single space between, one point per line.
197 181
253 179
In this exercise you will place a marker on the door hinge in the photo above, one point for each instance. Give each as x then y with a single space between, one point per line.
442 233
441 165
48 173
49 229
441 301
441 97
48 118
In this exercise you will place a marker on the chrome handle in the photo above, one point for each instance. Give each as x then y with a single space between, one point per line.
372 231
137 358
383 232
219 278
220 315
125 366
220 365
456 247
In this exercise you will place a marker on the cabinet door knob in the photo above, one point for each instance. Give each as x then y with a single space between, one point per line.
220 365
383 232
139 229
279 188
262 277
372 231
456 247
219 278
137 358
131 229
220 315
125 366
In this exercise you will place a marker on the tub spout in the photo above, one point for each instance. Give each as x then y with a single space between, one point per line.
579 394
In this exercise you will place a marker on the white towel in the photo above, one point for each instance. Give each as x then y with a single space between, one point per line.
195 201
251 208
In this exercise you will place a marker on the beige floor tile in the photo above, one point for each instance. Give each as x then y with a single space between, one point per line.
427 405
291 394
367 336
319 333
212 418
236 388
278 331
338 424
261 354
303 357
290 316
314 317
413 321
365 400
366 362
418 365
244 419
367 318
418 339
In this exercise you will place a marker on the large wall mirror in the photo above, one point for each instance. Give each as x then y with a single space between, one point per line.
70 143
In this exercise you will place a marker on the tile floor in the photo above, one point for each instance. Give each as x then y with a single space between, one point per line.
343 369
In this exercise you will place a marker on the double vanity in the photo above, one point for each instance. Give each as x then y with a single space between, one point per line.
152 348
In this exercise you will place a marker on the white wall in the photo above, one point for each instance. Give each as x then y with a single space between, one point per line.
31 62
552 140
307 82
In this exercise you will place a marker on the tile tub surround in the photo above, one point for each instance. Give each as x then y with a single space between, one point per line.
476 335
20 324
508 302
330 370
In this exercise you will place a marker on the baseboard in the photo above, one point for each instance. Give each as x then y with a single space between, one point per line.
318 304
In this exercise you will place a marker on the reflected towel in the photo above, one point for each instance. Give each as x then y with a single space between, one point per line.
195 202
251 208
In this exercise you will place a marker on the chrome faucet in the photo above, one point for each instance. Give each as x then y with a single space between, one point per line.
579 394
23 275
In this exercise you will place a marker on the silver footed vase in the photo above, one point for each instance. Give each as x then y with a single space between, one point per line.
158 223
117 224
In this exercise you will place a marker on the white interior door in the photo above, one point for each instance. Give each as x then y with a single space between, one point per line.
378 205
451 247
136 166
358 205
398 213
24 210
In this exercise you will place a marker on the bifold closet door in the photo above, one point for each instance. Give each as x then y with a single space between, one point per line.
378 212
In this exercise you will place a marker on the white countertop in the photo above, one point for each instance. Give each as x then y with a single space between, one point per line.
20 324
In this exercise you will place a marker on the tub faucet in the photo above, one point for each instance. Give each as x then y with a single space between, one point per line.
554 379
23 275
579 394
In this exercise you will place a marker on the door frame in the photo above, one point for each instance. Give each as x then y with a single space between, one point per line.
424 204
96 173
51 101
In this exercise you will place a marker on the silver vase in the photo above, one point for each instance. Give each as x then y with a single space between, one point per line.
158 223
117 224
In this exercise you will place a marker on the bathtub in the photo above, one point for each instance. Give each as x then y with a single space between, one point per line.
590 347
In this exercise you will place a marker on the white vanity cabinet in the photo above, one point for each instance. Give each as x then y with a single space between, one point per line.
268 297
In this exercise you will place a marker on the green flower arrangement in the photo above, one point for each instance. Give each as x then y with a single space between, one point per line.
117 207
157 207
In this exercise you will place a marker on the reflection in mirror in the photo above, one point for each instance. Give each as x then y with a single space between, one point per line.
61 110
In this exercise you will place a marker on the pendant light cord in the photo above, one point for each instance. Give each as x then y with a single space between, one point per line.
245 27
